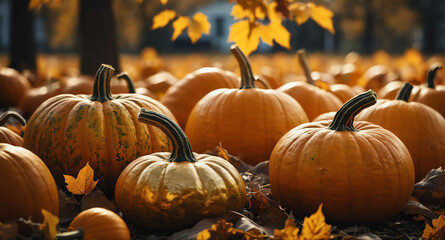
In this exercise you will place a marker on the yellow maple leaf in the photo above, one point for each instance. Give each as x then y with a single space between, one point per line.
163 18
289 232
197 26
315 227
252 13
438 224
83 184
301 12
179 25
246 35
49 225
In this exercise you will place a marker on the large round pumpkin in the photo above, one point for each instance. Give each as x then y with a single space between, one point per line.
247 121
67 131
360 172
421 129
13 86
6 134
97 223
313 99
26 185
168 191
182 96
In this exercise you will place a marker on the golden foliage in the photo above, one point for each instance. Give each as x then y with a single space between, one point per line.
223 230
49 225
163 18
301 12
438 224
289 232
83 184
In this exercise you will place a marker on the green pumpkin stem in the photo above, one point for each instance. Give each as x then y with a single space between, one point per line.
431 74
5 116
76 234
101 86
344 118
405 92
127 78
303 62
247 77
182 150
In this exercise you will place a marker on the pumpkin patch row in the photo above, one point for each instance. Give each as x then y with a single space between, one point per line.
362 171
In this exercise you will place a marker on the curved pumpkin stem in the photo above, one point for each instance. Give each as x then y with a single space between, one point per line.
5 116
182 150
264 83
247 77
405 92
76 234
101 85
303 62
344 118
431 74
127 78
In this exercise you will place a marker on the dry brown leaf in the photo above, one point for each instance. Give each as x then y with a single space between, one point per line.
68 207
415 208
9 231
221 230
258 202
49 225
221 152
163 18
96 199
83 184
315 227
289 232
438 226
431 189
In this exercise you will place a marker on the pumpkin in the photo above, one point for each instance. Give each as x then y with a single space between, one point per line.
169 191
432 95
182 96
26 185
421 129
6 134
247 121
390 90
130 85
313 99
13 86
360 171
158 83
343 92
32 99
375 77
96 223
100 129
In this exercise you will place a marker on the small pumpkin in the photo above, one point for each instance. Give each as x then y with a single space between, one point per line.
169 191
26 185
13 85
421 129
247 121
132 89
6 134
313 99
182 96
32 99
360 171
432 95
100 129
96 223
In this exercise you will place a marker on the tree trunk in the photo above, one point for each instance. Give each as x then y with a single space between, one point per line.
98 40
22 46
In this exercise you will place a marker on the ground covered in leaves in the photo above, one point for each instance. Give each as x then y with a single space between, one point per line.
262 218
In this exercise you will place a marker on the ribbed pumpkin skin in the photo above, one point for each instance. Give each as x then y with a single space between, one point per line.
314 100
99 223
421 129
362 176
8 136
247 122
343 92
433 97
67 131
13 86
182 96
26 185
173 195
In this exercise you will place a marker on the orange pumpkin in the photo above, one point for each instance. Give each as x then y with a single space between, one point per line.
26 185
32 99
182 96
313 99
13 86
100 129
432 95
247 121
421 129
169 191
360 171
343 92
6 134
97 223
